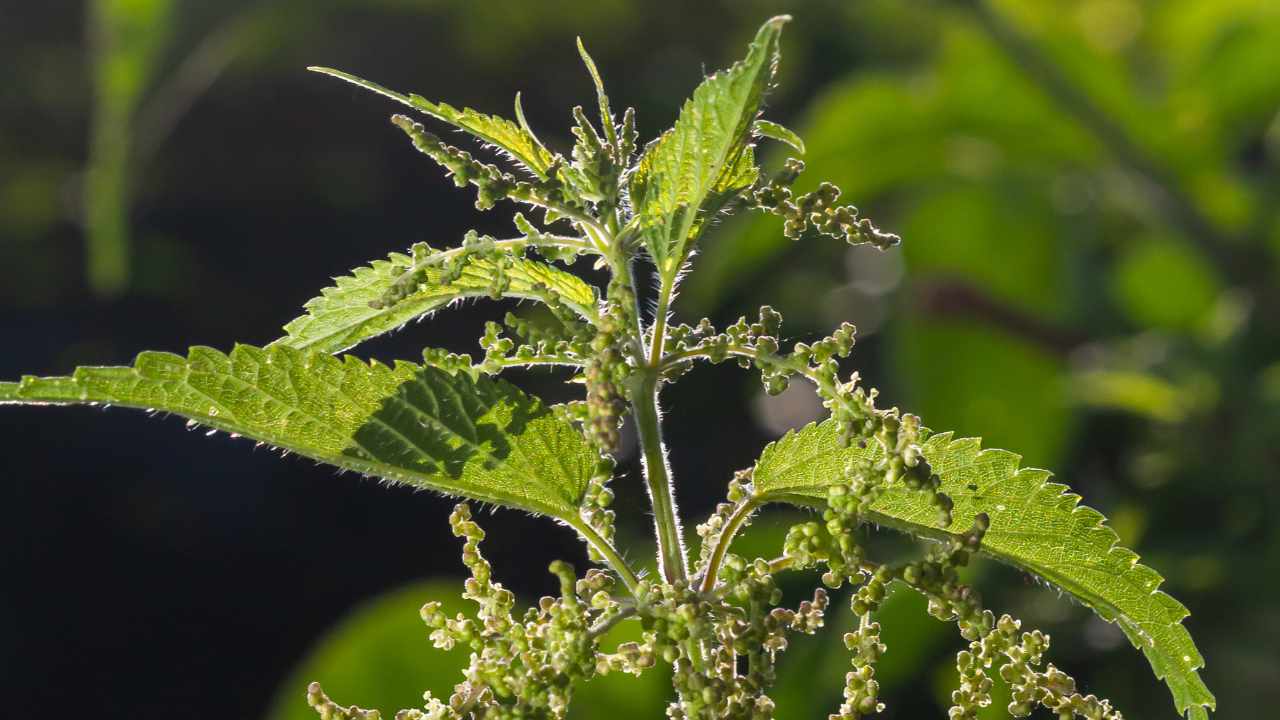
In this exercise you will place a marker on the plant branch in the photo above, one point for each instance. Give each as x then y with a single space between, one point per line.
608 623
610 554
659 335
731 528
630 270
644 404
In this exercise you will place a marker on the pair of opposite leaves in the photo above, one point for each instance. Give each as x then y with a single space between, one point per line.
476 437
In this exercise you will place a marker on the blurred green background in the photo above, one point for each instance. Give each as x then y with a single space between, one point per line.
1090 276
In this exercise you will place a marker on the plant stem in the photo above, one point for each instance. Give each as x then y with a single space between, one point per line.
644 406
731 528
606 625
630 270
659 335
611 555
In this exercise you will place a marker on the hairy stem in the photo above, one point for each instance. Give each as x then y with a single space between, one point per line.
659 335
731 528
608 623
610 554
644 406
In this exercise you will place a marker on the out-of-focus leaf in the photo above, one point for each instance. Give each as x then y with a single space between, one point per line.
962 368
379 655
1162 283
620 696
1134 392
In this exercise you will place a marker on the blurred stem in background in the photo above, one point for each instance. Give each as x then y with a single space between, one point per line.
136 110
127 39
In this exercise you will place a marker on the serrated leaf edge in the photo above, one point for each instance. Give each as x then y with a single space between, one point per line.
1191 696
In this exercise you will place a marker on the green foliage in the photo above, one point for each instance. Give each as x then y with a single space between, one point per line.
1163 284
1036 526
516 140
718 624
376 652
416 425
681 179
774 131
358 306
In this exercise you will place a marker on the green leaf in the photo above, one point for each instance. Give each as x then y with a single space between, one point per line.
1159 282
515 140
1036 525
606 115
477 438
343 316
681 169
774 131
378 654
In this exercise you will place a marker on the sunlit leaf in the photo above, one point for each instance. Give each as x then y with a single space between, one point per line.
476 438
1036 525
774 131
512 138
351 311
679 171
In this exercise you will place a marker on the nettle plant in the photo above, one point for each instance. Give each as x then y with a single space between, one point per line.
448 425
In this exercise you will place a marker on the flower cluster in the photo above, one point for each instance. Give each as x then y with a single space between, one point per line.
817 211
521 666
722 629
852 407
491 182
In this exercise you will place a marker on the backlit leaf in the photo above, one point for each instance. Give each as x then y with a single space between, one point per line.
476 438
681 169
1036 525
345 315
509 137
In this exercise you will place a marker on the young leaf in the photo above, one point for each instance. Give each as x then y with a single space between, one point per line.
606 115
1036 525
515 140
421 426
774 131
679 170
351 311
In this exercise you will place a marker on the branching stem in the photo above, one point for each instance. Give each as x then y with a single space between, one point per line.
608 623
610 554
659 334
731 528
747 351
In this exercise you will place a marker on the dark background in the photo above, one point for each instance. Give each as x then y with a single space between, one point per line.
1087 195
